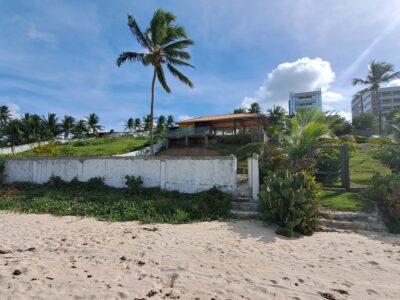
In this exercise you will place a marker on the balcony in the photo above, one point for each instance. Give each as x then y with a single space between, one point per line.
192 131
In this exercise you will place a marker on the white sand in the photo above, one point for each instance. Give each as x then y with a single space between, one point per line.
81 258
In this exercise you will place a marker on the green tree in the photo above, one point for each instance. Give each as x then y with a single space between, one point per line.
255 108
304 130
138 124
67 124
13 132
393 122
170 121
51 126
366 121
164 44
129 124
80 129
160 123
239 110
277 120
339 125
92 122
147 123
5 115
378 73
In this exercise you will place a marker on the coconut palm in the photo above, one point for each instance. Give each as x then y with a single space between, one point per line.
255 108
138 124
67 124
51 126
5 114
304 130
147 120
80 129
164 44
170 121
276 115
92 122
160 123
129 124
13 131
378 73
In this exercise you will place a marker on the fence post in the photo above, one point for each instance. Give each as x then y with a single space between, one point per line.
249 173
255 180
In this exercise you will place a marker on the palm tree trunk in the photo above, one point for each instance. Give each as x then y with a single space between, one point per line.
380 111
151 111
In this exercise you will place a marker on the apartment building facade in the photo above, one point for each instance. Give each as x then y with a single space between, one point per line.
305 100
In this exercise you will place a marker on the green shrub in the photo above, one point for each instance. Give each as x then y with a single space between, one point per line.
47 150
289 200
247 150
134 184
389 155
328 160
56 181
360 139
95 183
386 193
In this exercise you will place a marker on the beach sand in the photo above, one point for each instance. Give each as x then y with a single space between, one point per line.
47 257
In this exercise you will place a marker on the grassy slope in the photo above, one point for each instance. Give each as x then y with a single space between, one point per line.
362 168
96 147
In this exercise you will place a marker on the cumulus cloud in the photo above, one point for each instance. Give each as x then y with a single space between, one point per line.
304 74
393 83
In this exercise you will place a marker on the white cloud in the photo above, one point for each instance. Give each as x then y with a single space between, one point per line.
184 117
331 97
304 74
345 114
393 83
34 34
14 109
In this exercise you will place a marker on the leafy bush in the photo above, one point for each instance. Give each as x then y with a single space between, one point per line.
389 155
386 193
113 204
360 139
247 150
95 183
328 160
55 181
46 150
134 184
289 200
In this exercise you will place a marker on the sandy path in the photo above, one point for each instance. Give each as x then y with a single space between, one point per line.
88 259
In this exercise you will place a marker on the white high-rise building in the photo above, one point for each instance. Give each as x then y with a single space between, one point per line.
305 100
389 98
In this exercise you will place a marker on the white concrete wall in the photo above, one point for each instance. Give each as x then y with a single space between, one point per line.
187 174
26 147
157 147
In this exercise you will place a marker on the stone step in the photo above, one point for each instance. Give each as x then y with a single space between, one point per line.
246 199
245 214
243 193
350 216
245 206
352 225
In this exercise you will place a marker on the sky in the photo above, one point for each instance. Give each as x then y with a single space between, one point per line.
59 55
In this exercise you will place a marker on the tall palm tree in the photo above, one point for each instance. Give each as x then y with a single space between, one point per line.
129 124
255 108
13 132
147 123
80 129
67 123
276 115
160 123
378 73
138 124
92 122
5 114
51 125
164 44
170 121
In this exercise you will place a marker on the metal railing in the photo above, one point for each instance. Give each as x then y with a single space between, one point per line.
188 131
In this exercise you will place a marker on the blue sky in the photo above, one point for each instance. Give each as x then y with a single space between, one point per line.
59 56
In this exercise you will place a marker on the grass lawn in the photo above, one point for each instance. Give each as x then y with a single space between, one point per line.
94 199
95 147
343 201
362 168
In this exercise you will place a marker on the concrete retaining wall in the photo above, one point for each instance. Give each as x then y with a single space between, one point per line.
26 147
188 174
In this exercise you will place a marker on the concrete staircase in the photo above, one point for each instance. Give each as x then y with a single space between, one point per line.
337 221
244 206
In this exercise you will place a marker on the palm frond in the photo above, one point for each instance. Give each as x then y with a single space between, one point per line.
161 79
182 44
180 76
175 61
134 27
131 56
177 54
174 33
356 81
